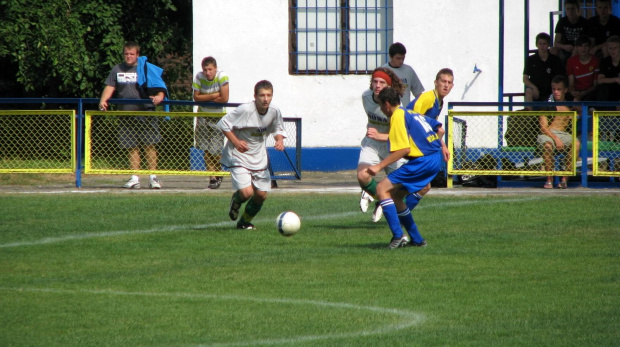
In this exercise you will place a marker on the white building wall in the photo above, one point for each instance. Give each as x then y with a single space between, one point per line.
249 40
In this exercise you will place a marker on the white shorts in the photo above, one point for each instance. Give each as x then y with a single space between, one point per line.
374 151
242 178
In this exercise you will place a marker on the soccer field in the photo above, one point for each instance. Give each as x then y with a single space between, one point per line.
110 269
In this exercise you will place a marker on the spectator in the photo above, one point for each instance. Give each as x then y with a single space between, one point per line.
568 29
136 131
554 135
582 71
407 75
601 27
609 76
539 70
210 85
245 154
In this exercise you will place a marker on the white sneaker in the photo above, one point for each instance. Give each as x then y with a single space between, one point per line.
132 183
365 199
377 213
154 183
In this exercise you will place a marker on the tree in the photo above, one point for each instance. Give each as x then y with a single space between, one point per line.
66 48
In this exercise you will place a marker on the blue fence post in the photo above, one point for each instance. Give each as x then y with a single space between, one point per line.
584 146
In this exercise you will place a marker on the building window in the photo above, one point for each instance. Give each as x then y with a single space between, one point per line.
339 36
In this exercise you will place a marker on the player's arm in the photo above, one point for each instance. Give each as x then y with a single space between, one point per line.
444 149
375 135
240 145
392 158
279 142
108 91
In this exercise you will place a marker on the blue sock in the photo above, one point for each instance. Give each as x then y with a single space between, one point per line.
389 211
406 219
412 200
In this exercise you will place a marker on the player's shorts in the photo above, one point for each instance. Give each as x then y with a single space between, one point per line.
243 178
566 138
136 131
374 151
417 172
208 136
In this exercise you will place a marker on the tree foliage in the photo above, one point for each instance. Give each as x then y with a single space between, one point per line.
66 48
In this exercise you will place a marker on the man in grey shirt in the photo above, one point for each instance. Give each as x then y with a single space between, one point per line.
405 72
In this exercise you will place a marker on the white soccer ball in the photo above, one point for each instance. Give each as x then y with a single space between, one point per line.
288 223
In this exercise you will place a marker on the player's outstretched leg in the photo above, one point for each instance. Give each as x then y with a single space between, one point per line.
251 210
398 238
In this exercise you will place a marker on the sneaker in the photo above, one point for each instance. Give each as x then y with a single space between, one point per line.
377 213
215 183
233 211
415 244
397 242
154 183
241 224
365 199
132 184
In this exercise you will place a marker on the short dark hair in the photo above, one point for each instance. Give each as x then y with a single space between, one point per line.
444 71
264 84
543 36
572 2
560 79
207 61
397 48
390 95
582 40
613 38
131 45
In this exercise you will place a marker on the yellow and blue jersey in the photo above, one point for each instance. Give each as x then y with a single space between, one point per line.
412 130
427 104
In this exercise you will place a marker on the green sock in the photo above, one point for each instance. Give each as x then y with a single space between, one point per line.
371 188
251 210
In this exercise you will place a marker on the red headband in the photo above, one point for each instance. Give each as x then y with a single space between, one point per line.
383 75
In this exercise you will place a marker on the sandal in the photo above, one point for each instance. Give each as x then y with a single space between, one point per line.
562 185
548 185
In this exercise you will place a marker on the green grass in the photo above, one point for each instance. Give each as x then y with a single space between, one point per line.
171 270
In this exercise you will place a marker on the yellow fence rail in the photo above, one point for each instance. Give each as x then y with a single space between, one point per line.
606 143
37 141
506 143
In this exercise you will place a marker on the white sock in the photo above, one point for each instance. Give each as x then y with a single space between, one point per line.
134 178
153 177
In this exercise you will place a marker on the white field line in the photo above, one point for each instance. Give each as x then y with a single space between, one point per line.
409 318
175 228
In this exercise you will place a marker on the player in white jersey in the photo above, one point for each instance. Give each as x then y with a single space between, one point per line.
245 152
210 85
374 145
407 75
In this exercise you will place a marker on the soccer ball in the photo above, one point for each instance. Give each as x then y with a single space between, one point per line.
288 223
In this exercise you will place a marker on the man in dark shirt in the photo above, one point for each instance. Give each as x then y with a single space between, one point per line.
539 69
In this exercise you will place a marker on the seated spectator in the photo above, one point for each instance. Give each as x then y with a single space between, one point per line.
601 27
539 70
582 71
555 134
568 29
609 76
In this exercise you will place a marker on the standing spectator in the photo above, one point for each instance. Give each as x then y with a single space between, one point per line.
136 131
582 71
609 76
245 153
210 85
407 75
601 27
568 29
539 70
418 139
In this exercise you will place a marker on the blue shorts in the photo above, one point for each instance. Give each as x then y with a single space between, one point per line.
418 172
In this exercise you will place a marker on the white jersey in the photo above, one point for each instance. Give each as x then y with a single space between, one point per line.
410 80
376 118
253 128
